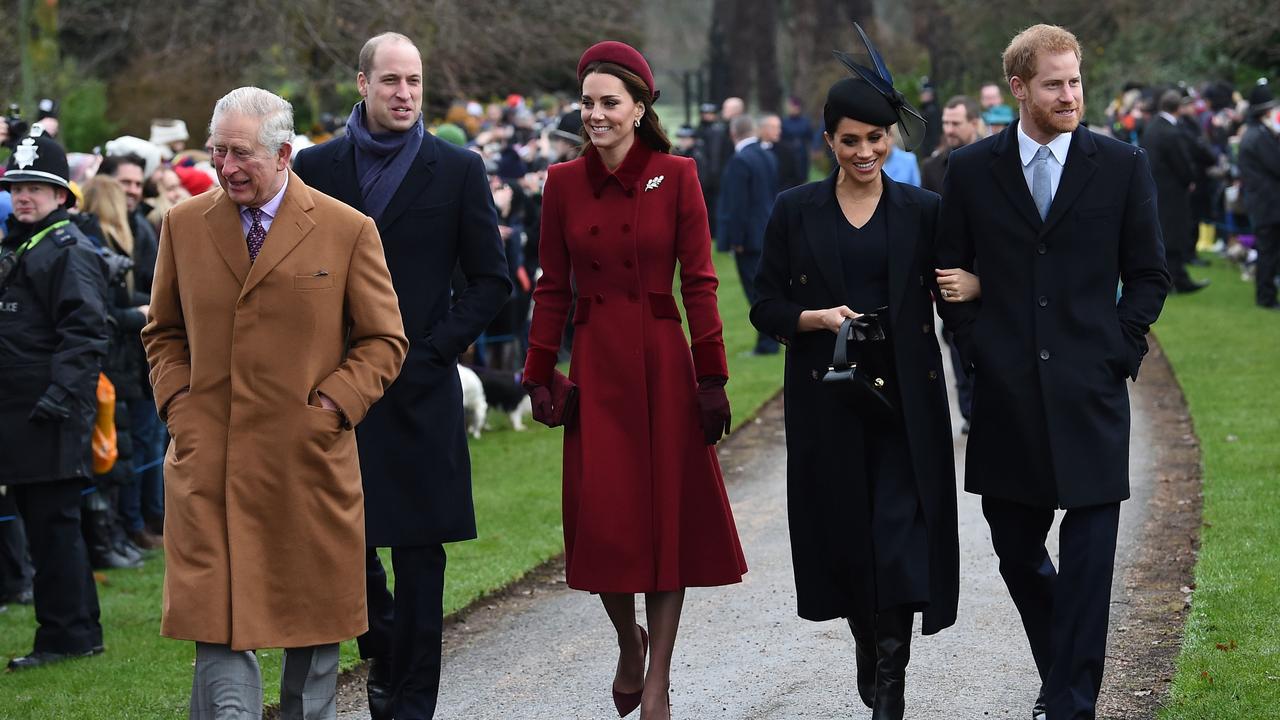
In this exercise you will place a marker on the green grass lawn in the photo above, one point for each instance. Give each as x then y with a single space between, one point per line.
516 478
1224 352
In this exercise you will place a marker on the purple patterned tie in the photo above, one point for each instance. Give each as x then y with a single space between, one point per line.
256 235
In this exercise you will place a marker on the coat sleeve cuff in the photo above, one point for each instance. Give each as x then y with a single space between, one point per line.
172 382
708 360
346 398
538 366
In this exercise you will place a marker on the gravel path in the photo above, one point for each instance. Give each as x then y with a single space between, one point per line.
544 651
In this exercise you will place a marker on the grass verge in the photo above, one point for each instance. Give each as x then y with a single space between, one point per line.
516 479
1224 350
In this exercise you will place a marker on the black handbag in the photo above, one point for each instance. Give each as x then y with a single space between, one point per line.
866 386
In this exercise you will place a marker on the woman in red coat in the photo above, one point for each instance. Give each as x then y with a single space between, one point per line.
645 509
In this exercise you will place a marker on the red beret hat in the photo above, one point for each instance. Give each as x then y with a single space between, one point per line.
622 54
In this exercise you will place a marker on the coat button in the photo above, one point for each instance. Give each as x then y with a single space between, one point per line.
626 227
1044 354
1044 301
595 264
627 263
933 374
804 279
595 230
1042 248
599 299
921 281
926 328
631 193
814 374
597 195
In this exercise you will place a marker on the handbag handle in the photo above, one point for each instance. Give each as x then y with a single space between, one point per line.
840 360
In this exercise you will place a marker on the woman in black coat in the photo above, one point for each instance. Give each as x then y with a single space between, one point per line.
871 502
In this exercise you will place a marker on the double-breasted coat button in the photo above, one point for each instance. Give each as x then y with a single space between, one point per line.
814 374
1043 301
627 263
804 279
926 328
1042 248
626 227
595 264
1044 354
599 299
595 229
921 281
933 374
631 193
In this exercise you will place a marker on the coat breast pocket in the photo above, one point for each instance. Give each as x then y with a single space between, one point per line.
419 212
313 281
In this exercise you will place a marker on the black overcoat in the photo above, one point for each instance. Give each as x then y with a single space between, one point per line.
413 445
1173 171
1048 344
827 488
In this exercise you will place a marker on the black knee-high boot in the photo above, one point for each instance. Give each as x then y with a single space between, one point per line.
893 651
864 644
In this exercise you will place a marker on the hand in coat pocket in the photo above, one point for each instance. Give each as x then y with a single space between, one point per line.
713 404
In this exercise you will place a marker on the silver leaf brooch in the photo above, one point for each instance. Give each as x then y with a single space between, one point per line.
654 182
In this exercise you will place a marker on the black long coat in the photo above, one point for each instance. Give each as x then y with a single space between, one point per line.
826 485
1048 345
413 445
1173 172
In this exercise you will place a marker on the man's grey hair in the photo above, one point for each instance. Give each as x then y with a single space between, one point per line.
274 111
371 48
742 127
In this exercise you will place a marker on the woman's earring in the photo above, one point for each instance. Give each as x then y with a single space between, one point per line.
637 122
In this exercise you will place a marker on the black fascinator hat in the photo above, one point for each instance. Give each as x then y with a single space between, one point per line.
869 96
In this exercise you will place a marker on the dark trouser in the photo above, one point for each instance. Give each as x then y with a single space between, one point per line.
15 568
143 497
1064 611
748 263
406 629
66 600
964 383
1267 240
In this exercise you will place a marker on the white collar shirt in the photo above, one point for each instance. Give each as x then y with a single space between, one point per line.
1058 148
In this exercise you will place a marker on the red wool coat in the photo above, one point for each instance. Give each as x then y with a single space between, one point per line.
644 502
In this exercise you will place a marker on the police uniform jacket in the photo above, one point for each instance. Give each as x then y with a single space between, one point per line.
644 502
1048 345
53 336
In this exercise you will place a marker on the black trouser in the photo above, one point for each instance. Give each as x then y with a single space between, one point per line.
1064 611
15 568
964 382
748 263
1267 239
406 629
66 600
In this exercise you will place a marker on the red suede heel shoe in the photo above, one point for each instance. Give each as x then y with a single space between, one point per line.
626 703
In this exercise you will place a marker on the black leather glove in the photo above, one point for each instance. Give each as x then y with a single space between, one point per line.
713 405
51 407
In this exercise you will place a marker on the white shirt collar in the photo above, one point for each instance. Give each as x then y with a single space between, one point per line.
1057 147
745 142
1168 116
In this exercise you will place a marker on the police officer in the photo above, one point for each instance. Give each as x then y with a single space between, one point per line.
53 335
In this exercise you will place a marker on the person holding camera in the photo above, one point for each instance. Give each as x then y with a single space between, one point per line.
53 335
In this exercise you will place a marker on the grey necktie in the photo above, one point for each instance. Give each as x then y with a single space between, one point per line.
1041 188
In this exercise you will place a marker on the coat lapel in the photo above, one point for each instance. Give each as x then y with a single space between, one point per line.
345 180
1075 176
902 228
821 216
223 220
1006 166
415 181
290 226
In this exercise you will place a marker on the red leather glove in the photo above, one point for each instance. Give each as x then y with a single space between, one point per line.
556 405
713 404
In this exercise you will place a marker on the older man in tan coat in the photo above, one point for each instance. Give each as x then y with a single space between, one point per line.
274 327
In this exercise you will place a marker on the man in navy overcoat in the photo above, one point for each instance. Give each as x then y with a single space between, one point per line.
434 211
1055 217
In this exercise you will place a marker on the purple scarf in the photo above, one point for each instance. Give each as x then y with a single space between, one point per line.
382 160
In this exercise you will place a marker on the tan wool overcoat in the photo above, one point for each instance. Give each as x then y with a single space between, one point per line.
264 513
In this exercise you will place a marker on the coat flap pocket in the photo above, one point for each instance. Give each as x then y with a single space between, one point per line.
663 305
1098 212
316 281
582 311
